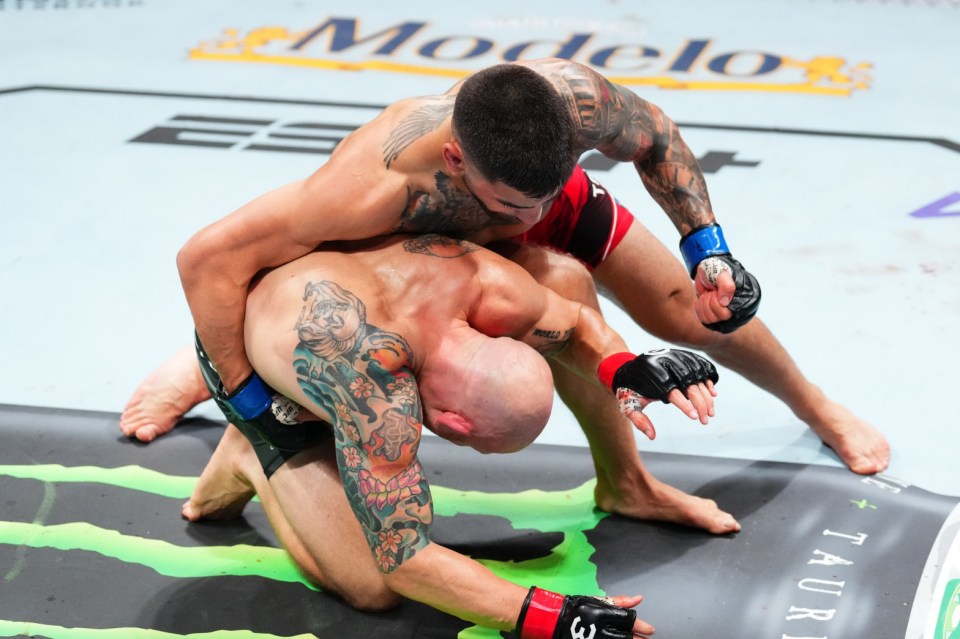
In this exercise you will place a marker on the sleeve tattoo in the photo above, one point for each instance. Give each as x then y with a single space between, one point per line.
362 376
624 127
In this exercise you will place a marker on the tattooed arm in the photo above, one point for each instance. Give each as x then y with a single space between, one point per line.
362 379
615 121
361 376
515 305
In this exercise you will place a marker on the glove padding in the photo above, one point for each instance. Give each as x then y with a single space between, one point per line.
656 373
548 615
746 298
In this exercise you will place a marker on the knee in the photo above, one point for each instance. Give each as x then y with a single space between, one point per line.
693 334
561 273
675 320
372 599
567 277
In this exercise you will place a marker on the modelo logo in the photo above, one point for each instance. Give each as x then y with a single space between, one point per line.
342 44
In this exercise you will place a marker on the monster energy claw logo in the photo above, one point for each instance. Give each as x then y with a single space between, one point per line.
570 512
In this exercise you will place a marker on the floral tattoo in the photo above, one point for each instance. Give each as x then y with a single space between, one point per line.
362 376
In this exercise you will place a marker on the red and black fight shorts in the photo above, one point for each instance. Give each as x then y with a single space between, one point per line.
585 221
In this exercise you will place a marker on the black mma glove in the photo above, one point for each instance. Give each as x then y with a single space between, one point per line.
548 615
707 242
655 373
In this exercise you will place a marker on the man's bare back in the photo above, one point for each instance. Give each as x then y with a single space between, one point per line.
393 283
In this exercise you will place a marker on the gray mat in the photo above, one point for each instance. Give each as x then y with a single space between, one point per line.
823 552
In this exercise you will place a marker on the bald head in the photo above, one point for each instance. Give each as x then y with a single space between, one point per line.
493 394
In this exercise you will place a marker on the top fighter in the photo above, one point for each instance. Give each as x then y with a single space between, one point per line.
495 157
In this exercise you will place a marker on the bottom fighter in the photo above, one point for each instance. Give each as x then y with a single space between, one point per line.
376 340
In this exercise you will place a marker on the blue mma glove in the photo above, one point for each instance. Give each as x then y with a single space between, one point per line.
256 410
707 241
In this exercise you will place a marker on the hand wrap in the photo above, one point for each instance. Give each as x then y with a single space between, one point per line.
655 373
548 615
707 241
265 418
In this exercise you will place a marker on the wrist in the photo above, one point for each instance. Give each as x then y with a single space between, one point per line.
610 365
250 398
229 378
702 242
540 614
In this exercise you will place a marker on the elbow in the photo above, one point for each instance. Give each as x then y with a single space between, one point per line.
397 586
205 258
377 599
190 261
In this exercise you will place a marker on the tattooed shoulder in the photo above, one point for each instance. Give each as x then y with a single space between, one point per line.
424 118
439 246
600 108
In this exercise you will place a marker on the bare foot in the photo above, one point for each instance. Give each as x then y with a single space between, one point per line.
164 397
858 444
652 500
223 491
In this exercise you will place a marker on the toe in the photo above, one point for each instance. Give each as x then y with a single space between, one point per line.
188 512
147 433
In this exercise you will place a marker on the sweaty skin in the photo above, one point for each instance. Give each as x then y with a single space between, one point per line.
403 171
364 334
412 181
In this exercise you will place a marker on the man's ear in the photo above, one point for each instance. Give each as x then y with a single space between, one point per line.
453 158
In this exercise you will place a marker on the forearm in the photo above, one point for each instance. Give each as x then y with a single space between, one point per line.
219 262
592 341
673 178
217 304
460 586
640 132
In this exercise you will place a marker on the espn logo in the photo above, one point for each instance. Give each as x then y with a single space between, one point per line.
247 134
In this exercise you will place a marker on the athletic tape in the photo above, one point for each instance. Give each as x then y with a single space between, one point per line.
251 399
701 243
542 613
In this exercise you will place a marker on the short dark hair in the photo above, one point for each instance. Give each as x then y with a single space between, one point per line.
514 126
